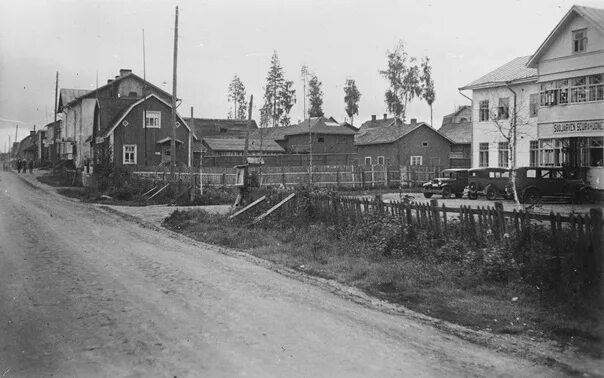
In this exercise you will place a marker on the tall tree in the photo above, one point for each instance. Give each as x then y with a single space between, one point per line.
279 94
315 97
403 78
351 98
428 92
236 95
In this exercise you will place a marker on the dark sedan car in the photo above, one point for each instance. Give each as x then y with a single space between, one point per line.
490 182
534 183
451 181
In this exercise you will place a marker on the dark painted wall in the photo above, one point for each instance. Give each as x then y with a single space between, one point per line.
134 133
331 143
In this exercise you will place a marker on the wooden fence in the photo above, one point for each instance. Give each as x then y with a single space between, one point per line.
342 176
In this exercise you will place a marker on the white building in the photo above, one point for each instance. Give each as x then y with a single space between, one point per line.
510 90
570 66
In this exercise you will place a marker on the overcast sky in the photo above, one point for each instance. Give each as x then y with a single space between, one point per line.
336 39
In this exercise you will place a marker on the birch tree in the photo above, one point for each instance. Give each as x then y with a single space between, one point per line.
351 98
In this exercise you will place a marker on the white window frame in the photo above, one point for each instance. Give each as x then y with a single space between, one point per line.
126 161
367 158
383 160
582 42
152 112
414 159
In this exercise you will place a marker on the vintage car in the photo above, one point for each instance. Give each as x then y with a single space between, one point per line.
451 181
490 182
556 183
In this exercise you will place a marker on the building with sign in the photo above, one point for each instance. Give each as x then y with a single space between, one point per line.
507 93
570 66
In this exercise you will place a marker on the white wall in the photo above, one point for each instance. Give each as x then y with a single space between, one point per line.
489 131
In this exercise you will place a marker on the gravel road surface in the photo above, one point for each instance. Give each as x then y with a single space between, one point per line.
85 292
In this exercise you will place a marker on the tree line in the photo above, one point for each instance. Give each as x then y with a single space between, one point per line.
407 80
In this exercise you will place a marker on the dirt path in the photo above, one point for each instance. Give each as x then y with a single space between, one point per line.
84 292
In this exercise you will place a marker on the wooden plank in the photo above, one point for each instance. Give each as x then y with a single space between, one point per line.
262 216
156 193
249 206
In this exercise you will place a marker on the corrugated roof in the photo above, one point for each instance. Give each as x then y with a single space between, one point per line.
318 125
460 133
384 134
238 144
513 71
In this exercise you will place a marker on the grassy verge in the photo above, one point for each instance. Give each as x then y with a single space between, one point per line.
452 281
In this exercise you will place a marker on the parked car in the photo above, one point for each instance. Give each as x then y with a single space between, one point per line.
451 181
533 183
489 182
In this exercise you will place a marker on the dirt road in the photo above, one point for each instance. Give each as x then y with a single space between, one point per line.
84 292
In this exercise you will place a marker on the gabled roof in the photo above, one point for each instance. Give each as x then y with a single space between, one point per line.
389 134
238 144
459 110
459 133
595 16
122 114
67 96
515 71
111 109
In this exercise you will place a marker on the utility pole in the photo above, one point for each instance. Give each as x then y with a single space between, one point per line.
57 94
304 77
247 130
173 141
143 95
16 133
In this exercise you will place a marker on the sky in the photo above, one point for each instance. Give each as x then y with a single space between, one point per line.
336 39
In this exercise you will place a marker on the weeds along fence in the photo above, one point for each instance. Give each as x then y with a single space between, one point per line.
570 246
340 176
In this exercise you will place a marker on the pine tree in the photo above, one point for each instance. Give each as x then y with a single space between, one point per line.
351 98
279 95
236 94
315 97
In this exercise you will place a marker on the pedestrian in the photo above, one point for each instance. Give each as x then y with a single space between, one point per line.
18 165
31 166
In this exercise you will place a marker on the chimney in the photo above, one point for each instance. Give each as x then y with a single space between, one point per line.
125 71
32 132
385 116
109 81
117 77
373 117
413 121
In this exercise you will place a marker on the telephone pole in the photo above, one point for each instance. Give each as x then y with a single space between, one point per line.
57 94
173 141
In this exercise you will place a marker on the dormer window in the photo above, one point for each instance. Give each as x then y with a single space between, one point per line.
579 41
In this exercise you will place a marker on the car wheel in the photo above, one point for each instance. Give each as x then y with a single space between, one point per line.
446 192
490 192
458 195
531 196
427 195
472 195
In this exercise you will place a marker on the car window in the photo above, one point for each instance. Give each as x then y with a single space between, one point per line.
505 174
491 174
531 173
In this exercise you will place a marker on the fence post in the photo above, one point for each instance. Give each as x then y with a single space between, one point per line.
595 254
435 216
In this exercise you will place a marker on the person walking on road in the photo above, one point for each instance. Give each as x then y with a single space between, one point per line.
31 166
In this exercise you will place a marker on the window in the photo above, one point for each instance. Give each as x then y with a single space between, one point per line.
424 144
367 160
596 88
534 153
152 119
562 88
550 153
504 154
483 155
321 139
531 173
223 130
416 160
579 40
503 110
578 90
380 160
533 105
483 111
129 154
592 152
